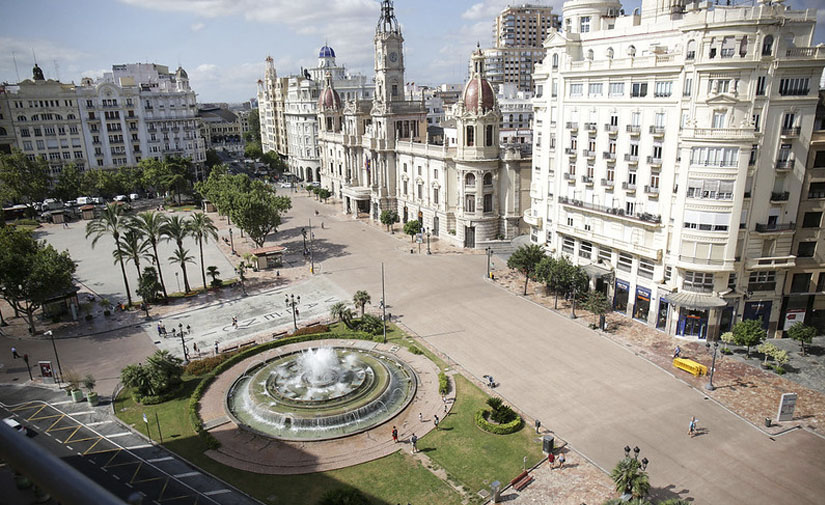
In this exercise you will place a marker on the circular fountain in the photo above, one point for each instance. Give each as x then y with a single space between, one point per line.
320 394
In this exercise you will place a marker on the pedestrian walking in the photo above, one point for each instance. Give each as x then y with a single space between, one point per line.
561 460
188 329
445 410
65 224
420 417
216 348
444 399
692 427
435 422
551 458
395 434
413 441
174 334
14 353
234 322
322 225
195 347
677 352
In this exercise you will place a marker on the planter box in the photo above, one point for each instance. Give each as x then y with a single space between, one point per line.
77 395
92 398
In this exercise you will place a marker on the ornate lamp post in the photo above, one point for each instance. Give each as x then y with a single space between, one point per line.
292 302
709 386
489 252
429 231
635 462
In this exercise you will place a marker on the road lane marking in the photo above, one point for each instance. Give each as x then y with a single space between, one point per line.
187 474
116 435
158 460
98 423
142 446
217 491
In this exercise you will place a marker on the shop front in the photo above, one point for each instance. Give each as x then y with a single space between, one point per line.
621 296
758 310
641 308
698 314
661 314
692 323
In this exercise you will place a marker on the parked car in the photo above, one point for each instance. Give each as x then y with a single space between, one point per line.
85 200
286 184
121 198
12 423
134 196
97 200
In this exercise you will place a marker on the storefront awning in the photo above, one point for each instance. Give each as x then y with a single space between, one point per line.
696 301
596 272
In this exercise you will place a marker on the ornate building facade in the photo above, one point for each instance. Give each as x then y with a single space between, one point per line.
669 155
376 154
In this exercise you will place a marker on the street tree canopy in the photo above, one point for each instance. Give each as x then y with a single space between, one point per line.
258 211
525 259
23 180
802 333
749 333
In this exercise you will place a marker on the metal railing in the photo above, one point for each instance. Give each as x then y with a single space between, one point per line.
769 227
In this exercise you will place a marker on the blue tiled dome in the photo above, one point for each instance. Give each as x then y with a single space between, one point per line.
326 52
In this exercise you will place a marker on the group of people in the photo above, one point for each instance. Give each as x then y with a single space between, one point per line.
163 333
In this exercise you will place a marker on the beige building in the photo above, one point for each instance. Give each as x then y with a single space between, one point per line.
7 137
669 155
220 128
805 282
272 91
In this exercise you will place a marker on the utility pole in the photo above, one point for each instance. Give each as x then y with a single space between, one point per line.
311 261
183 346
383 303
50 333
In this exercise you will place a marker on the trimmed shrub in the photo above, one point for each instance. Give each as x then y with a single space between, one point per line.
443 383
494 403
311 330
370 324
155 399
205 365
343 496
481 418
415 350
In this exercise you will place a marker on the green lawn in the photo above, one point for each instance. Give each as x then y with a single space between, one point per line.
471 456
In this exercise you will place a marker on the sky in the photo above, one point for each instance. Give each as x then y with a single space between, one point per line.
222 44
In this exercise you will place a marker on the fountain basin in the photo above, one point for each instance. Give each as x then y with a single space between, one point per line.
320 394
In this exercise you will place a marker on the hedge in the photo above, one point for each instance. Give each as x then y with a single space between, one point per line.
155 399
210 441
205 365
311 330
443 383
497 429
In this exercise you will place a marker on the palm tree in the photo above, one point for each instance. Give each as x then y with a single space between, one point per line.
360 299
181 257
212 271
133 247
111 222
341 312
176 228
630 478
151 225
202 229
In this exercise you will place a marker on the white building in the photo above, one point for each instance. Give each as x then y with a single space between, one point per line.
669 155
375 154
516 117
137 111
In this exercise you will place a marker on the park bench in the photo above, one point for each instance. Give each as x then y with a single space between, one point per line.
246 344
521 481
315 323
230 349
276 336
690 366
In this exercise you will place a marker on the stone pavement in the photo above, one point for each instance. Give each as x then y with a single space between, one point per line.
248 451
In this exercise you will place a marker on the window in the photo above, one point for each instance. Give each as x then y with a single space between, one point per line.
470 203
605 254
585 250
488 179
800 283
819 159
584 24
555 61
395 90
489 135
27 145
762 281
576 89
820 283
688 85
471 135
420 191
715 156
691 50
488 203
638 89
595 89
568 245
645 268
634 149
636 118
698 281
761 82
732 281
663 89
755 119
811 220
767 46
625 262
796 86
816 190
630 207
743 47
616 89
435 196
668 273
806 249
470 180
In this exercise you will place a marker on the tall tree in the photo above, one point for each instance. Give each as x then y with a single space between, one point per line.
525 259
360 299
389 218
411 228
258 212
23 180
133 247
340 311
202 229
111 222
67 186
31 272
181 257
802 333
749 333
148 285
598 304
156 174
150 223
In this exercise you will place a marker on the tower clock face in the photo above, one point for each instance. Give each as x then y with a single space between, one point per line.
393 56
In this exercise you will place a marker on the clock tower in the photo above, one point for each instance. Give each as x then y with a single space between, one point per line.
389 57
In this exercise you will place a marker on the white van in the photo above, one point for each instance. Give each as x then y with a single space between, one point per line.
11 423
84 200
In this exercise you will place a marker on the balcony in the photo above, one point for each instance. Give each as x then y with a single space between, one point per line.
570 177
589 154
806 52
643 217
770 263
630 158
652 190
608 184
774 227
784 165
657 131
610 157
531 218
629 186
780 196
611 129
762 286
572 126
788 133
587 180
571 151
654 161
719 133
591 127
634 129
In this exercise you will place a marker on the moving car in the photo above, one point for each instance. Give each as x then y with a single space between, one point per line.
11 423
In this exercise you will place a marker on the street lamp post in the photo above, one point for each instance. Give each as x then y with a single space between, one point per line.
641 464
709 386
489 252
177 280
311 260
50 333
231 241
573 306
292 302
183 345
428 241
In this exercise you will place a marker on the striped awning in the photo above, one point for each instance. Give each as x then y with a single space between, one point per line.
695 300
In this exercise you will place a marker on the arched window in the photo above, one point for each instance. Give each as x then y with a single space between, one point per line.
767 46
589 54
511 118
690 53
469 180
2 131
488 179
555 60
21 118
610 53
743 46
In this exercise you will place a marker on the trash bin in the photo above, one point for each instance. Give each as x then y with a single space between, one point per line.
496 487
547 444
767 422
